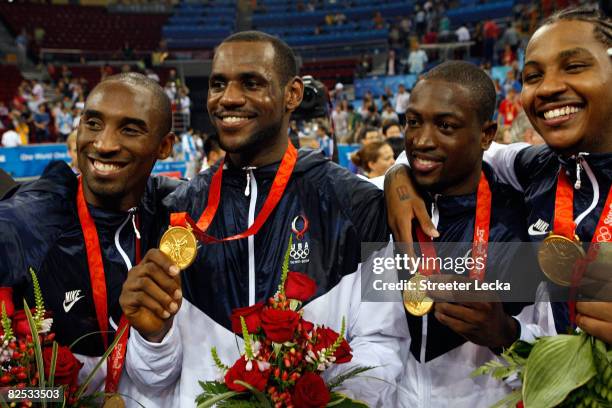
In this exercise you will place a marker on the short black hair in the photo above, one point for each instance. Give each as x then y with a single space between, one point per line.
602 24
284 58
474 79
162 102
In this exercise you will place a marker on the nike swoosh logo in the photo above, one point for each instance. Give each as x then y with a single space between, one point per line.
68 306
533 231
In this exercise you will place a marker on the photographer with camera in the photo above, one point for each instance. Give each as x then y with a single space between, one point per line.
268 194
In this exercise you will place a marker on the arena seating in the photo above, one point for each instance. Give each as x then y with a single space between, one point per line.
84 28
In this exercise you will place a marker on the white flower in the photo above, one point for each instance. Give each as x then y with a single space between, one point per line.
263 365
321 367
249 365
255 347
45 325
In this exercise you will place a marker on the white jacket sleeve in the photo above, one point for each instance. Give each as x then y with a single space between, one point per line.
501 157
375 332
154 366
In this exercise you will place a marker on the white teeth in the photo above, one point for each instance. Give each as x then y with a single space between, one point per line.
424 161
105 166
564 111
233 119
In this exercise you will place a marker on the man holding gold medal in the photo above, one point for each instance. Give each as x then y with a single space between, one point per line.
566 95
448 127
244 212
81 235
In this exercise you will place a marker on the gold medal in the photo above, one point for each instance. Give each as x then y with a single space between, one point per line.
114 401
180 245
557 256
416 301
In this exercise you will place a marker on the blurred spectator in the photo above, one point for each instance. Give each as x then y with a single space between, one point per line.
401 103
522 131
388 114
71 145
21 41
508 56
63 122
392 63
462 33
127 51
324 140
184 103
363 67
340 120
391 129
420 20
417 59
190 153
212 151
374 158
509 109
378 20
372 134
21 127
41 124
10 138
490 34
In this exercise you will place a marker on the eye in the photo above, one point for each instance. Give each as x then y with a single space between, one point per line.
531 77
411 122
446 126
251 84
93 124
217 85
575 67
131 131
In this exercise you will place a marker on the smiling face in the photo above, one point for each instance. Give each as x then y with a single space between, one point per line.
567 88
444 137
247 103
118 143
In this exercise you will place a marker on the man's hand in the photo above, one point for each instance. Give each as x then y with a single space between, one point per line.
404 205
482 323
151 295
595 318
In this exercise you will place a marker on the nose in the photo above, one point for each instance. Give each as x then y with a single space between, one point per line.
232 95
107 141
422 138
551 85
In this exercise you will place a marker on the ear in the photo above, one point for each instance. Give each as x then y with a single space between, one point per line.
294 92
488 130
165 147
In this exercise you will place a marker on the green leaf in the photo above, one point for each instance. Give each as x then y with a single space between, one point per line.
7 328
258 394
102 360
285 268
74 343
217 360
342 377
339 400
217 398
37 348
556 366
53 364
38 299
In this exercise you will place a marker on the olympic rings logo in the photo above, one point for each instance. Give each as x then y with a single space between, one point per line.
604 235
299 252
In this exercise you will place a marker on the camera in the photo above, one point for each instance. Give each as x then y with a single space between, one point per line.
315 101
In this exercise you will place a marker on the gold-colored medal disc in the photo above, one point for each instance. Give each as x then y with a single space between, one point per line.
114 401
180 245
557 256
416 301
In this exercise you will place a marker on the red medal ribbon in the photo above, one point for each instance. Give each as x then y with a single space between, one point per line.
480 242
98 287
564 218
214 197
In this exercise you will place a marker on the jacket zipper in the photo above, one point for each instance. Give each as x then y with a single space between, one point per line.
251 189
581 163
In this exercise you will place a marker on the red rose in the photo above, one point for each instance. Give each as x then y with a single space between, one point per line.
306 325
279 325
326 337
299 286
6 297
256 378
67 367
310 392
251 316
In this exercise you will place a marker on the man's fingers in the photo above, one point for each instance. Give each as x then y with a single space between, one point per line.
150 287
424 219
456 312
595 327
170 285
597 310
163 261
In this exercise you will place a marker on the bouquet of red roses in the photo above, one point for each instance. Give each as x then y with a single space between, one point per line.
284 355
29 357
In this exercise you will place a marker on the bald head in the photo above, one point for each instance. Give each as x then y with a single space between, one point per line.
161 102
